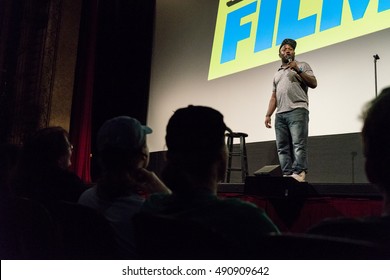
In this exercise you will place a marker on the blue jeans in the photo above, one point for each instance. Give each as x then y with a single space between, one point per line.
292 129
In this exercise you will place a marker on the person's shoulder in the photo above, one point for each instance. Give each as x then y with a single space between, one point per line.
133 199
67 178
156 200
247 214
158 197
236 201
304 65
239 204
89 194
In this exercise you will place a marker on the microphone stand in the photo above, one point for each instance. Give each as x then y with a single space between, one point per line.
376 57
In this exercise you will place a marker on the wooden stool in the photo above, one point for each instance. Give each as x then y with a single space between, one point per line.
241 152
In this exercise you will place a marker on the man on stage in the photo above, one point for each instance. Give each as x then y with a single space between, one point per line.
290 98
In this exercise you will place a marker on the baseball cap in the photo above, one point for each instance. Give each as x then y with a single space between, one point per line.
290 42
195 129
123 132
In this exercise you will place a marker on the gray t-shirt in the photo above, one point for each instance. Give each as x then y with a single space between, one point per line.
291 91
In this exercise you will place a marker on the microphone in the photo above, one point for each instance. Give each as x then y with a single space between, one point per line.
376 56
289 59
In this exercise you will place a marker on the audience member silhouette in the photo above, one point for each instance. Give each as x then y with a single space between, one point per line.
119 193
42 179
196 163
42 172
376 148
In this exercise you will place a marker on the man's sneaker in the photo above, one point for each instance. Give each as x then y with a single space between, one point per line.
299 177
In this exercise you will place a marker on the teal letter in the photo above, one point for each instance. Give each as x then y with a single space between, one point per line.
266 25
236 32
383 5
331 14
290 26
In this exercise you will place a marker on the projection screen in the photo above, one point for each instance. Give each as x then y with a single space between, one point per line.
224 55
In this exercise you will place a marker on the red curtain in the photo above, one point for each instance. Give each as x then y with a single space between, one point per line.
298 216
81 119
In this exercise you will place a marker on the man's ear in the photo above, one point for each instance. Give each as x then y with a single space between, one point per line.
144 156
222 164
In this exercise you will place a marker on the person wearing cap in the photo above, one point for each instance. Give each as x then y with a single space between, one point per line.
120 191
290 100
196 163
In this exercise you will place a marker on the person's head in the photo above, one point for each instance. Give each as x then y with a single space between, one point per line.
43 154
195 138
122 150
287 50
121 144
376 140
47 147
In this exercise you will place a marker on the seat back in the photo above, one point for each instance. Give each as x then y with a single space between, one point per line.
165 237
27 230
83 232
316 247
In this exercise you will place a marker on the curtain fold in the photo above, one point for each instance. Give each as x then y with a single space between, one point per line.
81 118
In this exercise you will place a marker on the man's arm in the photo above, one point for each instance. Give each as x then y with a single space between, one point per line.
270 111
309 80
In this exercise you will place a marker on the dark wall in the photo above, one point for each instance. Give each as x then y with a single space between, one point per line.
123 60
332 159
124 46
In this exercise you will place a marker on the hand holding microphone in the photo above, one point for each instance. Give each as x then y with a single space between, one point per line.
292 64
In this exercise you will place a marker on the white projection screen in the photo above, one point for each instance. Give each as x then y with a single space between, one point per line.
224 56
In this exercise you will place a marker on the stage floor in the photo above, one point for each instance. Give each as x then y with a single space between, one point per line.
295 207
281 187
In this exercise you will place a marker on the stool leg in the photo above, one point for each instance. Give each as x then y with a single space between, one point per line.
244 162
230 151
242 158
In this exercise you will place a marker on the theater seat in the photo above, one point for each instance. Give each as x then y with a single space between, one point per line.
167 238
83 232
316 247
26 230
